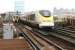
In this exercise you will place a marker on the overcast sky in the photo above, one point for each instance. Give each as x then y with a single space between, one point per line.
30 5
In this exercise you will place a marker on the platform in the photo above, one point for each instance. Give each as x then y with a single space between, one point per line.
14 44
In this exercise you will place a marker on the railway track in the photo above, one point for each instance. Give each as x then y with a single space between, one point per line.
54 37
64 45
32 45
40 42
70 28
67 31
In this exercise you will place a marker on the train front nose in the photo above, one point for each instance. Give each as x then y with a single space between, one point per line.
46 24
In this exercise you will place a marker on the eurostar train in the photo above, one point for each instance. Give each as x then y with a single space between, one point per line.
41 18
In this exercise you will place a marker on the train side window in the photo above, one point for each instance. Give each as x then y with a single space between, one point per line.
32 16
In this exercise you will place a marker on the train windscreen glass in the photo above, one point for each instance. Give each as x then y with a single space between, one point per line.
45 13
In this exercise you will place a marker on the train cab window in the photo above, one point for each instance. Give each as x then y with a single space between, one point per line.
45 13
